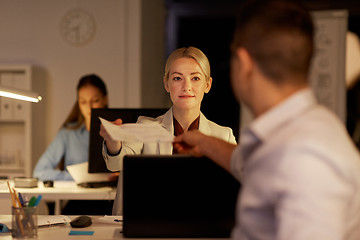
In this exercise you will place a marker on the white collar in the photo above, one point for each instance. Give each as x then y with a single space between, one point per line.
264 125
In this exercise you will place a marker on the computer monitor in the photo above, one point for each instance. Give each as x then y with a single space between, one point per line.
177 196
128 115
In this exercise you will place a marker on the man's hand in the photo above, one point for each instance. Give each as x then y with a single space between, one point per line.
198 144
190 142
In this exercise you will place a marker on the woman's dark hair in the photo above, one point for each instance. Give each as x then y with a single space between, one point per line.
75 119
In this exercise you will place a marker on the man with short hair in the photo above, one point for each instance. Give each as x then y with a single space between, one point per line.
299 169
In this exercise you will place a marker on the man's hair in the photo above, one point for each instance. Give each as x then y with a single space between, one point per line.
278 34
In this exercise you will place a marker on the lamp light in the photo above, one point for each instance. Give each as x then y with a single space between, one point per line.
20 94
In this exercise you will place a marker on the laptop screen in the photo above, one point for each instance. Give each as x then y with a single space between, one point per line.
128 115
177 196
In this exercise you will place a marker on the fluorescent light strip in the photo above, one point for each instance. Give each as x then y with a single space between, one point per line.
20 95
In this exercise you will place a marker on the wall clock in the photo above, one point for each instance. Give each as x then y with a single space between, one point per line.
77 27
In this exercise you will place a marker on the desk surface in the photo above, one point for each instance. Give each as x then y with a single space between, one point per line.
62 190
103 229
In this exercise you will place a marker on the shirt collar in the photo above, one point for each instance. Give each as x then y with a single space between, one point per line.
179 130
292 107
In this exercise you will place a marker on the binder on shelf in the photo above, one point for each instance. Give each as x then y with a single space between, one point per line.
20 81
19 109
6 108
6 79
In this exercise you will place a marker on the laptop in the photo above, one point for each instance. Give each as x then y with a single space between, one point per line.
177 196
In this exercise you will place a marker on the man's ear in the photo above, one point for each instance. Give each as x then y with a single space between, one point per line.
208 85
246 62
166 84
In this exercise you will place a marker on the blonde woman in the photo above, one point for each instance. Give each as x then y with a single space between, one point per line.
187 78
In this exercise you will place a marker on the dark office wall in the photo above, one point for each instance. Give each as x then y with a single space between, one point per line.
219 104
153 93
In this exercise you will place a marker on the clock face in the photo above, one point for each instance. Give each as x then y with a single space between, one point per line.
77 27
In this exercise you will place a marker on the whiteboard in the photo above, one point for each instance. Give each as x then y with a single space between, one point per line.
327 75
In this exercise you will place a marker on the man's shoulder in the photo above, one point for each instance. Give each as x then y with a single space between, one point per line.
317 132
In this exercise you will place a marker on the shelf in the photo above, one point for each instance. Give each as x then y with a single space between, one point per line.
13 169
11 121
15 123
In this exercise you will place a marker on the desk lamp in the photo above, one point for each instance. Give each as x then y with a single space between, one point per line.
19 94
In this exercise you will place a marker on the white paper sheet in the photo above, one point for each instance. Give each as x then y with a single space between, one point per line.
137 132
42 220
116 220
48 220
80 174
64 184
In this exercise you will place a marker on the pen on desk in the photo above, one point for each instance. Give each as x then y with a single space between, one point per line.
37 201
25 218
17 198
17 214
32 201
11 194
28 214
21 200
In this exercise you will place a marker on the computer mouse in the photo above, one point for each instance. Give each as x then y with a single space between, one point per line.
81 222
48 183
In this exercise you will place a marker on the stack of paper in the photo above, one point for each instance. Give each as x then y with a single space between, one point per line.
137 132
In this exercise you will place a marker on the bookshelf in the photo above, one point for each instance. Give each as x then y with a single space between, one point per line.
15 124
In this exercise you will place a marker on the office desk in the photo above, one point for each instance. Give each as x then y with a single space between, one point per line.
60 191
103 230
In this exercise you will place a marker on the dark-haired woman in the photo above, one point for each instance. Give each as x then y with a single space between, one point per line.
72 141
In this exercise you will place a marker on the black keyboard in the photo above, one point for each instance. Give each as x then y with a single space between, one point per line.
98 184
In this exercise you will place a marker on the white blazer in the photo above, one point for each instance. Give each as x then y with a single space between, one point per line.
114 163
